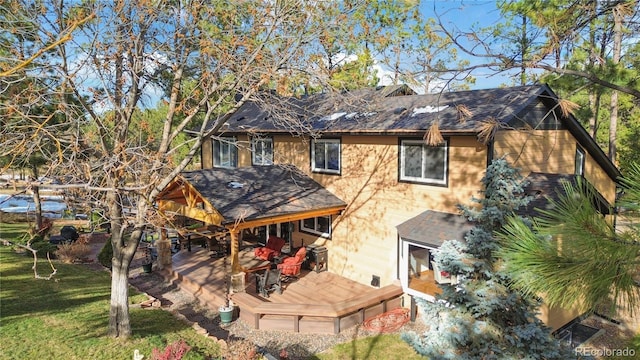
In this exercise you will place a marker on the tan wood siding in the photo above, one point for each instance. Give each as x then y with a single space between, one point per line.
364 241
550 151
207 154
599 178
546 151
244 150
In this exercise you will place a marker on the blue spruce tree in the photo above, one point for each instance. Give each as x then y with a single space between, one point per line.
483 316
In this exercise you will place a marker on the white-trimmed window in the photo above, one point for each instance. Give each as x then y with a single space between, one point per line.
320 225
422 163
580 157
225 152
325 156
262 151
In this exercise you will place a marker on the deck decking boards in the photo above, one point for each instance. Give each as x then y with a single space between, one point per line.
205 277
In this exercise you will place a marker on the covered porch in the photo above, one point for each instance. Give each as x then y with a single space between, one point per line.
231 204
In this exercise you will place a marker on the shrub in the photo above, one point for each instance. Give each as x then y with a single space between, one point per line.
106 254
42 246
173 351
68 253
47 225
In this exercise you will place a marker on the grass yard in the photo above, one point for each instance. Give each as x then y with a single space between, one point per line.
380 347
67 318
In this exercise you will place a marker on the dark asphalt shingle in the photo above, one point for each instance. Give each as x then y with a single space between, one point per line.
434 228
256 192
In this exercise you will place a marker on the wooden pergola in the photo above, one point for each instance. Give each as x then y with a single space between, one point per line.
233 199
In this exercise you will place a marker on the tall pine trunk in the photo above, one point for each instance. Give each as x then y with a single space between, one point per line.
618 17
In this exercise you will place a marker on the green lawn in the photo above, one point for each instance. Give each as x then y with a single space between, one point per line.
381 347
67 318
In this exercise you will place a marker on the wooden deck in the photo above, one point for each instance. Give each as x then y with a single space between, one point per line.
315 302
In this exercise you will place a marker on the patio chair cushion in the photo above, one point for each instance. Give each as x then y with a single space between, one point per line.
291 266
273 248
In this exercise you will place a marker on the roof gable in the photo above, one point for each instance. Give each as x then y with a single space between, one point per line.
258 192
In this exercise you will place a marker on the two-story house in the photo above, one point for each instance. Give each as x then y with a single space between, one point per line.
402 163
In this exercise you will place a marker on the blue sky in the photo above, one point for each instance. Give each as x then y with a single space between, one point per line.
463 14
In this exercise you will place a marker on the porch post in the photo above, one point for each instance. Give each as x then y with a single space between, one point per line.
235 249
237 275
163 245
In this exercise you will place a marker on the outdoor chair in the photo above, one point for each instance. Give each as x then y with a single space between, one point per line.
291 266
443 277
273 248
268 282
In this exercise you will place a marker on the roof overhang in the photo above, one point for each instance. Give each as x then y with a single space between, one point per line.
433 228
248 197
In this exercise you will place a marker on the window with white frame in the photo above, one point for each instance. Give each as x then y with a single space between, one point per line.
225 152
320 225
579 170
325 156
262 151
423 163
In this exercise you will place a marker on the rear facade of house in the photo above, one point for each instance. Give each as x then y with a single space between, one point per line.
403 163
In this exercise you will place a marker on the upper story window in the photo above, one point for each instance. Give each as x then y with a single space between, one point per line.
320 225
325 156
225 152
262 151
422 163
580 158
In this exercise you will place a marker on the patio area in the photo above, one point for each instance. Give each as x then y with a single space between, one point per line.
315 302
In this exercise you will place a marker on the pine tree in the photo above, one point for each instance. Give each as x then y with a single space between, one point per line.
482 316
575 255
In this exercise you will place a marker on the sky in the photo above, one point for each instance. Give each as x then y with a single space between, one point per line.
460 14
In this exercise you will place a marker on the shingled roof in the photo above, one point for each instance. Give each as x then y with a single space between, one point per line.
251 193
434 228
542 187
379 111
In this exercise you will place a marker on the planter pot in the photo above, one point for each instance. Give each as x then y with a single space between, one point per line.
226 314
147 268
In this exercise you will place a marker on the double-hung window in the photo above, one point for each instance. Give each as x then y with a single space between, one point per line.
320 225
325 156
423 163
579 166
262 151
225 152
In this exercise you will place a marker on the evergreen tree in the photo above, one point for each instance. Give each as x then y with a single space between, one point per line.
575 255
483 316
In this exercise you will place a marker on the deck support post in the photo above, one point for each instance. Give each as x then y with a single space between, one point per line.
296 323
414 309
163 246
336 325
257 321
